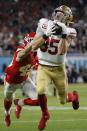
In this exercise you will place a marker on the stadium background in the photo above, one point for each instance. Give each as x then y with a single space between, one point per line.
17 17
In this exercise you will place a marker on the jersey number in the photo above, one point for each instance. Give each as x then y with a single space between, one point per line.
51 48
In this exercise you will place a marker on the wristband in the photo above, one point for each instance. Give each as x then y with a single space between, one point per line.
45 37
64 36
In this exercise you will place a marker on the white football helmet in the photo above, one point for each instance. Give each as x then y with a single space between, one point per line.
63 14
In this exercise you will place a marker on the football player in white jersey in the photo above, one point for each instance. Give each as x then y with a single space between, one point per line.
51 57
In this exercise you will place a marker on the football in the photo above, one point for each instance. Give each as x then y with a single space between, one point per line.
57 29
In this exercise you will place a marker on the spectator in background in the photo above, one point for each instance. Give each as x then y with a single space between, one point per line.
74 74
4 67
83 74
16 20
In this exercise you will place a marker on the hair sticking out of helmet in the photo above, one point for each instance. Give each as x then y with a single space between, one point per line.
63 14
28 38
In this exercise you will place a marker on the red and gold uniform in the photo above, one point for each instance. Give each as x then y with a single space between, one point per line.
16 77
17 71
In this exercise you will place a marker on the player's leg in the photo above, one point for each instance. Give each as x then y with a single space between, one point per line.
8 93
21 102
62 84
26 101
71 96
41 85
28 90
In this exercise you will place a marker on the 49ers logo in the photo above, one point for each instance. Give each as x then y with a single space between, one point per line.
44 26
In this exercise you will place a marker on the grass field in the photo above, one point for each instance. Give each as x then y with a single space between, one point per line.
63 118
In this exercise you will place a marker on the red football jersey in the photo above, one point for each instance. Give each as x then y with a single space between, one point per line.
17 72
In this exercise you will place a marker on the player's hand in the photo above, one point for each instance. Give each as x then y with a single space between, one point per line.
63 26
53 29
56 29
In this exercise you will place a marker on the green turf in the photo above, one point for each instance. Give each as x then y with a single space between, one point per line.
61 120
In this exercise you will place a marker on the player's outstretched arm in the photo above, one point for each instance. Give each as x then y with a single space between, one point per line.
22 53
33 45
38 41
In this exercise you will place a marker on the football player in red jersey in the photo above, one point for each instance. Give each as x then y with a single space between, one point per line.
17 72
16 77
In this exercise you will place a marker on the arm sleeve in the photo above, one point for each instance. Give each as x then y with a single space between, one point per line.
42 26
72 32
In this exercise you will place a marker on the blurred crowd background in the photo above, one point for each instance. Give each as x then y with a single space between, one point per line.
17 17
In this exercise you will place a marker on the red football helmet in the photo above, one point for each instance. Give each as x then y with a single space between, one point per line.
29 37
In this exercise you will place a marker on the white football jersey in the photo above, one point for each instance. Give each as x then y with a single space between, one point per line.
48 52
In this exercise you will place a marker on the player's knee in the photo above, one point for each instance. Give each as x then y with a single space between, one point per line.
40 91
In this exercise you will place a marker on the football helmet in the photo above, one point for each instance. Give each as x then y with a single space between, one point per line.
28 38
63 14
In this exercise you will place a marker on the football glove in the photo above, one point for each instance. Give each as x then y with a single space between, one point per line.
53 29
63 27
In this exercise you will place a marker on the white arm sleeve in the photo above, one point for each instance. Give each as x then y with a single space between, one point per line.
42 26
72 32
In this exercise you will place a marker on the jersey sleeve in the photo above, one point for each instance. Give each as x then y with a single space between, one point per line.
72 32
42 26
